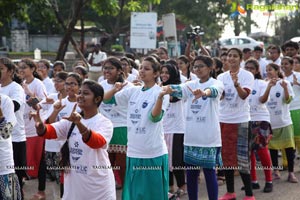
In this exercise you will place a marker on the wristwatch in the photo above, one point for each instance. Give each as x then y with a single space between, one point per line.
236 85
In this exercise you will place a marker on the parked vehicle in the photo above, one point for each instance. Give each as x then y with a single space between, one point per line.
240 42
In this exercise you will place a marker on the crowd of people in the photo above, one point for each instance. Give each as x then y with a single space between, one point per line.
142 124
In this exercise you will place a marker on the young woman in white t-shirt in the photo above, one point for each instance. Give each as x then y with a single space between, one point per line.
52 147
126 65
35 91
202 137
287 66
259 127
281 95
88 173
147 154
15 91
9 184
234 118
173 124
185 69
113 71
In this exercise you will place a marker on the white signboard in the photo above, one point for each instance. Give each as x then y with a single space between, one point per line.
169 25
143 30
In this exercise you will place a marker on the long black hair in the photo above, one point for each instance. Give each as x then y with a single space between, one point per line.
30 63
114 61
173 79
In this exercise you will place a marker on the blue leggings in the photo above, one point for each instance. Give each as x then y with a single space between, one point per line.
211 183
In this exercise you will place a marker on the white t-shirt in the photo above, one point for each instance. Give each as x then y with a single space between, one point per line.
6 151
145 138
258 110
131 78
97 57
233 109
173 120
16 93
277 61
135 72
263 67
91 176
279 110
37 87
184 78
295 104
117 114
202 116
49 85
55 145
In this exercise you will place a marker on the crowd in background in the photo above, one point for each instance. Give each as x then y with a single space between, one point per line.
146 121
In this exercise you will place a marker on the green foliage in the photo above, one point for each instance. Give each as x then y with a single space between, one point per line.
106 7
117 47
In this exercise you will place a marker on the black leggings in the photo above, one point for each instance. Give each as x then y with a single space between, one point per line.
19 151
177 159
246 178
42 173
290 154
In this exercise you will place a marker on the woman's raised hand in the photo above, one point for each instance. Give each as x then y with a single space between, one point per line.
48 100
119 86
57 106
39 125
197 93
74 117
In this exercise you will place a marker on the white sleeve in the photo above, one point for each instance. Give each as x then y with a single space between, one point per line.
122 97
7 107
62 128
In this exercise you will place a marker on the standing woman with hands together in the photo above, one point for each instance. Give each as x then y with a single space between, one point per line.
234 119
281 94
202 137
147 154
87 136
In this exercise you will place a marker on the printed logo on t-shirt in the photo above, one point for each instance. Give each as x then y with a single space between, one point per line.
277 94
229 95
201 119
140 130
145 104
272 104
131 103
189 118
204 97
76 152
253 92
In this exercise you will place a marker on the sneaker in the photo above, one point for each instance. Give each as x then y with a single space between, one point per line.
255 186
181 192
268 187
292 178
276 175
228 196
249 198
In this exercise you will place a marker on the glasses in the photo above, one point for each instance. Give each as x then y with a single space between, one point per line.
249 68
108 68
23 67
42 67
195 67
58 81
72 84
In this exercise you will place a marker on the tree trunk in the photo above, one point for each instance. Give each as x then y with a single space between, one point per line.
68 33
82 34
237 28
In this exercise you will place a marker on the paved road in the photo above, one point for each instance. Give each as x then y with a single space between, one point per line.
283 190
